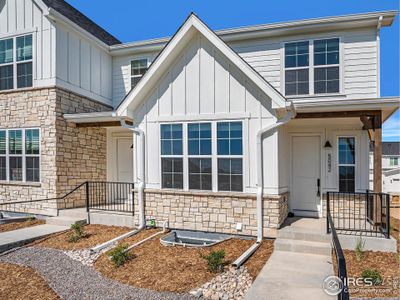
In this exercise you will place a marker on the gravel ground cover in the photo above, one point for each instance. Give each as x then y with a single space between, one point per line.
20 225
72 280
178 269
23 283
96 234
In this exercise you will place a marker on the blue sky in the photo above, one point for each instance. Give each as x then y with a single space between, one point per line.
137 20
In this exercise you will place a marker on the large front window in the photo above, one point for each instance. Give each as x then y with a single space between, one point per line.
202 156
312 67
16 62
347 164
20 155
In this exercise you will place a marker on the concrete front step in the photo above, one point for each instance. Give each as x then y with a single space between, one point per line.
73 213
64 221
303 235
300 246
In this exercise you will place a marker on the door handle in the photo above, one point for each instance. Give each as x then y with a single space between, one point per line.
318 186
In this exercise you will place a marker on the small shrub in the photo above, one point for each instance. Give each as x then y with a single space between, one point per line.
360 249
373 275
119 255
215 261
30 219
77 234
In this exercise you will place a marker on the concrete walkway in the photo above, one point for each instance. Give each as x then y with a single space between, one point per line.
20 237
299 264
291 275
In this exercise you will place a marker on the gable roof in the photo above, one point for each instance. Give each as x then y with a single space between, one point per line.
82 21
165 58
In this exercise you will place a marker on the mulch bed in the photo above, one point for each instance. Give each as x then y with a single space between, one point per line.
177 269
95 234
388 265
13 277
20 225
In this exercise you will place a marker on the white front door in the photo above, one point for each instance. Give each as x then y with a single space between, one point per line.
124 160
306 170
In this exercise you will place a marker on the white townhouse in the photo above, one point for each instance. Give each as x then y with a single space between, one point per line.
223 131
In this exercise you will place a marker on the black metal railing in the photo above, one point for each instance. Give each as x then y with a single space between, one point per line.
340 259
35 204
110 196
365 213
98 195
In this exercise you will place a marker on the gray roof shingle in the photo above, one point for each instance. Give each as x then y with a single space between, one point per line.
81 20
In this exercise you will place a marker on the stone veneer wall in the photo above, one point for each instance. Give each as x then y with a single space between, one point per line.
214 212
65 149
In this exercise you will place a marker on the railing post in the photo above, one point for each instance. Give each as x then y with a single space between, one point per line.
387 200
87 202
133 198
328 211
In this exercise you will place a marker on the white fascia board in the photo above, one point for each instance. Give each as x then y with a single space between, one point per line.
247 32
94 117
348 104
173 48
56 16
43 7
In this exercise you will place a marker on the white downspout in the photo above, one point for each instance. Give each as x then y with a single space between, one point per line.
260 184
140 132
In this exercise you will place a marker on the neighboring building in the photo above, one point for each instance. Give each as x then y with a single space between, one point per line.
201 99
390 168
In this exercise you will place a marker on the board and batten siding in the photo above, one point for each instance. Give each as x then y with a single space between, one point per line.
83 66
202 85
19 17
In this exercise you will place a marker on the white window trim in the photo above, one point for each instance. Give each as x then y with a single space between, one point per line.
14 63
214 155
311 67
130 68
23 156
355 165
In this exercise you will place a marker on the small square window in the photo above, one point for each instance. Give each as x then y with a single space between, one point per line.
6 51
24 75
24 47
6 77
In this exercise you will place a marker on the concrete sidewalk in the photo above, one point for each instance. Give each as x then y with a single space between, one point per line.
291 275
20 237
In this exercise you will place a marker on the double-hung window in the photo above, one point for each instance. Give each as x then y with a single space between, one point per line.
312 67
230 156
16 62
138 68
20 155
326 66
297 68
172 156
199 156
347 164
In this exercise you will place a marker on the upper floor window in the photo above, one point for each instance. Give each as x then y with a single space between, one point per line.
319 75
297 68
16 62
20 155
394 161
138 68
326 62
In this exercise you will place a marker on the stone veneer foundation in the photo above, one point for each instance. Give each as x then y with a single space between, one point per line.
214 212
69 154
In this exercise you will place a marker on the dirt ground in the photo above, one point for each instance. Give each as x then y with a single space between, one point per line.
20 225
96 234
177 269
388 265
35 287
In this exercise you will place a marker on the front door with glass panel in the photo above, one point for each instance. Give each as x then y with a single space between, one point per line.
306 166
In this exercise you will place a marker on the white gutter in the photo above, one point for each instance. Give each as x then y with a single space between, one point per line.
261 133
378 54
140 132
